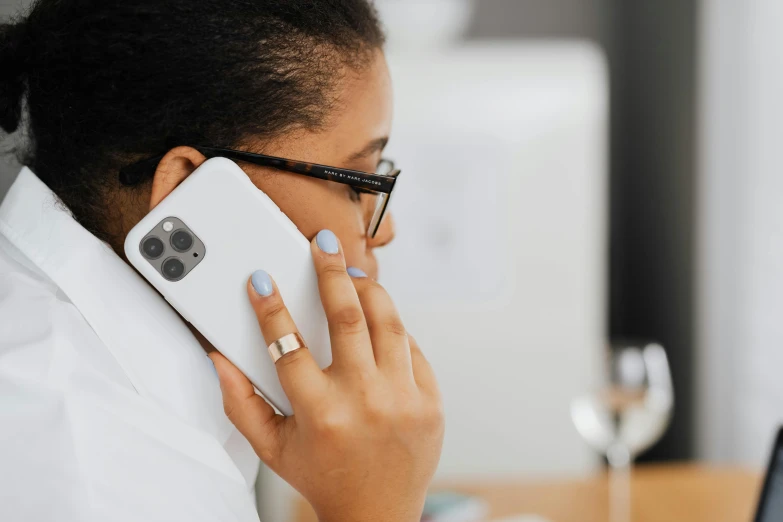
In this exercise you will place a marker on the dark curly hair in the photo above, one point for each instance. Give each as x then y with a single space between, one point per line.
106 82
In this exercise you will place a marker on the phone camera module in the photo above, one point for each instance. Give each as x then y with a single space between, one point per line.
152 248
181 240
172 249
173 269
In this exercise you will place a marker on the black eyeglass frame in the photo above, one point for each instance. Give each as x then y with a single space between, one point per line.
358 180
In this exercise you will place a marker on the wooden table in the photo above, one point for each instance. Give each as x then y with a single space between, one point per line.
672 493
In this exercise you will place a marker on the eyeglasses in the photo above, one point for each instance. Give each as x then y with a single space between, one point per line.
373 191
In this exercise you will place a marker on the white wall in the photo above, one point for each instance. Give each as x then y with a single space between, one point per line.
741 228
499 266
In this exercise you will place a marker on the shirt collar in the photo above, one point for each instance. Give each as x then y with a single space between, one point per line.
161 357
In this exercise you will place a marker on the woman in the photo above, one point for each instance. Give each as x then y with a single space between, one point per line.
112 411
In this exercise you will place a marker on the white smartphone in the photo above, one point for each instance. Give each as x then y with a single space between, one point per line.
198 248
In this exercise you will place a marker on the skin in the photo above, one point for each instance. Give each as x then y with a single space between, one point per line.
366 434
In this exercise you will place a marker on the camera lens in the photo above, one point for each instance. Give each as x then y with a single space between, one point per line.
152 248
173 269
181 240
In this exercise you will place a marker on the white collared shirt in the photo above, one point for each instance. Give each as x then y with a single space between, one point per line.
109 408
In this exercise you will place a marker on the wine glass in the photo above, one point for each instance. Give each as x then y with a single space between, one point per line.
627 414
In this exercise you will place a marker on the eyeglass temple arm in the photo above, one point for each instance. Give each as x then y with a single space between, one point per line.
354 178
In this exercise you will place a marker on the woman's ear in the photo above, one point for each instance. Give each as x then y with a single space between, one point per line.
176 165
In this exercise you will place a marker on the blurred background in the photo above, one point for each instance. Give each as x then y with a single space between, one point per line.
612 174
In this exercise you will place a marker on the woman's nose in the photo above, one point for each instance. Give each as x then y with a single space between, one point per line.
385 233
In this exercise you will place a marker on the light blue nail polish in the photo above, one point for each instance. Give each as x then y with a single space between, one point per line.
327 241
262 283
212 365
355 272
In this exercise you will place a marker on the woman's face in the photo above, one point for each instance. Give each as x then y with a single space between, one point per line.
354 139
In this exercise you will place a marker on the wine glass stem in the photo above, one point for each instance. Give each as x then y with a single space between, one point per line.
619 483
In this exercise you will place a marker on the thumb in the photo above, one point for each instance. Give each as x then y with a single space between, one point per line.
249 412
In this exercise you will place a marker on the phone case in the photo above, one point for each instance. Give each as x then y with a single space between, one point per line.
242 230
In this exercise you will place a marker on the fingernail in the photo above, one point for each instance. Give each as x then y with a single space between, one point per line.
212 365
262 283
355 272
327 241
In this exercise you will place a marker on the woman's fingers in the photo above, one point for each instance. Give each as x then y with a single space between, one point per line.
388 335
300 376
253 417
422 371
350 338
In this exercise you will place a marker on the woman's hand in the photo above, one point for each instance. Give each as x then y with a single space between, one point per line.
366 433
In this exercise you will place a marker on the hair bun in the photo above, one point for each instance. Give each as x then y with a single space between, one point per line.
13 71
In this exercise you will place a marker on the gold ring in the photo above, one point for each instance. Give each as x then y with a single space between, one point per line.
286 344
